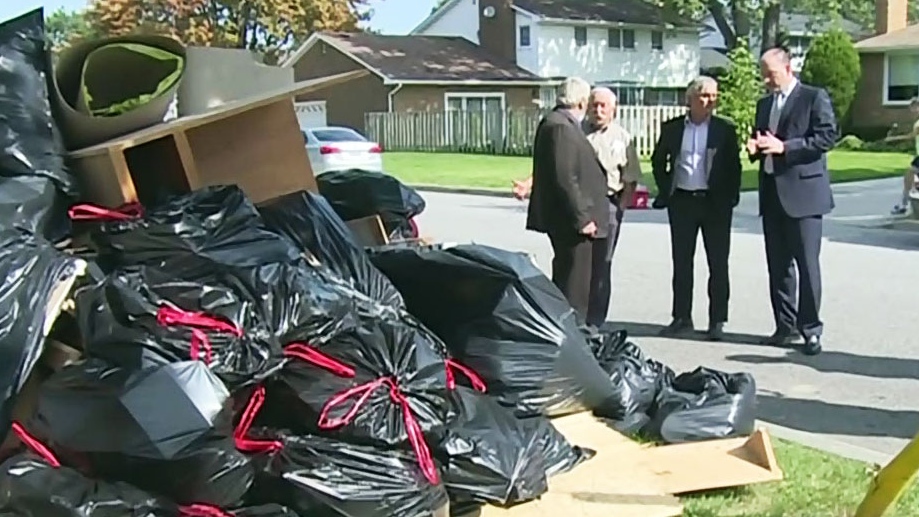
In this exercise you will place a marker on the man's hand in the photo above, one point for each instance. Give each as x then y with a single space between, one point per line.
521 189
753 144
770 144
590 229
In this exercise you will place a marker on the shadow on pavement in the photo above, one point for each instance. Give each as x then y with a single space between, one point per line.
638 330
828 418
843 362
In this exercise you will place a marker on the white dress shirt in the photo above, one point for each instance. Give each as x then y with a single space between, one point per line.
690 169
778 103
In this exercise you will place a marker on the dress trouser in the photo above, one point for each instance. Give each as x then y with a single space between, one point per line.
571 269
689 212
601 271
793 259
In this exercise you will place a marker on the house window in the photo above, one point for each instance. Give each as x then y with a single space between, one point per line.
664 97
657 40
524 35
474 120
580 36
620 38
902 79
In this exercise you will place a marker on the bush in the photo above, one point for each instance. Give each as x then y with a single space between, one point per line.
850 143
832 63
739 89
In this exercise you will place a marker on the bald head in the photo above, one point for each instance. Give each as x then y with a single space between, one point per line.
602 109
775 67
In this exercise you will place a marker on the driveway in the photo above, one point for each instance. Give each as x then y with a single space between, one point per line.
860 391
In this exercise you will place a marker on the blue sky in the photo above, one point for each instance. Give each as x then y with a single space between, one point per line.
390 16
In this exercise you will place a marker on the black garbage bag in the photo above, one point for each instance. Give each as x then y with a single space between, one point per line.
33 274
358 193
383 383
36 484
315 475
501 316
139 317
492 456
32 169
190 235
167 429
636 379
307 220
704 404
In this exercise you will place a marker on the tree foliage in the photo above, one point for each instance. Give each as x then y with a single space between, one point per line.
267 26
64 28
832 63
739 90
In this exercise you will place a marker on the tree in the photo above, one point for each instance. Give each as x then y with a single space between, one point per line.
739 89
832 63
266 26
64 28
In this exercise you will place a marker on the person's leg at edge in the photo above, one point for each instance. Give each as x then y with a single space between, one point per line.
685 221
716 237
601 286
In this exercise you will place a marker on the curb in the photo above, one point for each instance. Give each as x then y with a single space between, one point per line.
829 445
464 190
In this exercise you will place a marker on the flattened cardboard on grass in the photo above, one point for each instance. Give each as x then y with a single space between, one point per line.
113 71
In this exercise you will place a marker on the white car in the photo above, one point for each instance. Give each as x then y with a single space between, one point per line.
340 148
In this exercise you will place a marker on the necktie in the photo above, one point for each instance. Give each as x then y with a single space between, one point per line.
778 101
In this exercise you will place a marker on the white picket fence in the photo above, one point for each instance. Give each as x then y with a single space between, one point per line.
509 132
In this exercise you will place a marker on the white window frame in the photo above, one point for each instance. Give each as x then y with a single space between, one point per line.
620 45
661 34
529 32
574 35
885 100
448 126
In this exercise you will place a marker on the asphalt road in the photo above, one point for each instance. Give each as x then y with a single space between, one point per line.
860 391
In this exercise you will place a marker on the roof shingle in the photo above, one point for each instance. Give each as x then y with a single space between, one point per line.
907 38
637 12
428 58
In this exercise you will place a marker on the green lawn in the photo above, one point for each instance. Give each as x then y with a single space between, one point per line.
816 484
497 172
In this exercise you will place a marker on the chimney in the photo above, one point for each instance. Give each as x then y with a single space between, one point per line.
498 28
890 16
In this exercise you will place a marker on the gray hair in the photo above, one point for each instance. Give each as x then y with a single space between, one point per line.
698 84
602 90
572 92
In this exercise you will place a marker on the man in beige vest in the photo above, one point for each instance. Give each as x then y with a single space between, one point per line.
616 152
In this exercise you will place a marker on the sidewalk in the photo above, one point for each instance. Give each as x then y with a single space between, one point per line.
857 398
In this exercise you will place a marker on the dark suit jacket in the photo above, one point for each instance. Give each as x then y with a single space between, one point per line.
807 125
569 185
722 163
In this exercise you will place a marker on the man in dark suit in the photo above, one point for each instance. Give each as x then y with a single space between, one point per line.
568 197
795 128
696 165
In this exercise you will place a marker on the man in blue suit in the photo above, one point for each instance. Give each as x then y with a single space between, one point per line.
795 127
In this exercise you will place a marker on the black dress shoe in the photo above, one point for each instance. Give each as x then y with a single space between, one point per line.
677 326
716 332
812 346
780 338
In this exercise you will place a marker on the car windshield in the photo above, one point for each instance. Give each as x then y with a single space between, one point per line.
337 135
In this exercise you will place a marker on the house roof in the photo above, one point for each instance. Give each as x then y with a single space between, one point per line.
800 24
903 39
422 59
636 12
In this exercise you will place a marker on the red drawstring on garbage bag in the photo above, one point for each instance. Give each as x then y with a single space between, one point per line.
202 510
93 212
245 444
198 322
33 443
477 383
310 355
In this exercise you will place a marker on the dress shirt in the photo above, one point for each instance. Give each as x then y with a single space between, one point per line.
616 152
690 167
778 103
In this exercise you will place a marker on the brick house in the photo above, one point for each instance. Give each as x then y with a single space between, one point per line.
890 72
411 73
